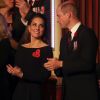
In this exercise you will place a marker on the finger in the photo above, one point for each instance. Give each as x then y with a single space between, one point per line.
51 59
38 9
50 69
7 66
20 1
9 70
47 65
11 67
20 4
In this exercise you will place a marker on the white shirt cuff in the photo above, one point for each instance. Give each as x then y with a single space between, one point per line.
24 22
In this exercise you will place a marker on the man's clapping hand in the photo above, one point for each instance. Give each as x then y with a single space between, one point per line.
53 64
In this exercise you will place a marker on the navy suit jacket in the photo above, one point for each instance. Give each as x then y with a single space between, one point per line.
79 65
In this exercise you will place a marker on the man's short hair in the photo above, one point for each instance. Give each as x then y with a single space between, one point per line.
67 6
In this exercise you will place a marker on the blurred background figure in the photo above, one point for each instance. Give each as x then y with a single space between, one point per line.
7 52
6 9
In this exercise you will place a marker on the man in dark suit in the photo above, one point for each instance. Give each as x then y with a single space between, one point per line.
77 61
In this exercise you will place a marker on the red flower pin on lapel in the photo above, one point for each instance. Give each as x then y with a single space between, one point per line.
75 35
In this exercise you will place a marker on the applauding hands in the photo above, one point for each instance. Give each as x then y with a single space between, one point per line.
53 64
16 71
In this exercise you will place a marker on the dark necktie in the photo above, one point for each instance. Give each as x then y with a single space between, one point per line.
69 37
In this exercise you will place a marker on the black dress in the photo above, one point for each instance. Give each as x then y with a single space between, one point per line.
31 61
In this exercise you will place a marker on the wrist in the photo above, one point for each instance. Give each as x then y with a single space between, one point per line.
24 21
21 75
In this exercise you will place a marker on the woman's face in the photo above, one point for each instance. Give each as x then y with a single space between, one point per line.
37 27
9 3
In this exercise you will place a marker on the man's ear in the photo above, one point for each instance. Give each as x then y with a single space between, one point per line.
68 14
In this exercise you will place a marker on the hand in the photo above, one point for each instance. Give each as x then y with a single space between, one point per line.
23 6
14 70
40 10
53 64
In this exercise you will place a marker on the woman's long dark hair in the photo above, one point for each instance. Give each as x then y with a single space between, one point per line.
26 38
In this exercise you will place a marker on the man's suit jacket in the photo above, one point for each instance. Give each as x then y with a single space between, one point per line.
79 64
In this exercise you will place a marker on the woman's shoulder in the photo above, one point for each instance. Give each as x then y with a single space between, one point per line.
29 45
26 45
46 46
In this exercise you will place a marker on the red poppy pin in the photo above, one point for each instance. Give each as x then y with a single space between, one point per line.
36 53
75 35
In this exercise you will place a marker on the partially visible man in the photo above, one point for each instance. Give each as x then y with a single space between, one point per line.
77 61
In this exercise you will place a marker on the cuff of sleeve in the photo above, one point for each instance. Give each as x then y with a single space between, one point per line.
24 22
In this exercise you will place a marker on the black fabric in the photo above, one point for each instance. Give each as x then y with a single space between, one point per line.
34 74
79 66
69 38
6 80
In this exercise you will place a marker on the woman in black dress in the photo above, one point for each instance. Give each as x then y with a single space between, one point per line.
30 59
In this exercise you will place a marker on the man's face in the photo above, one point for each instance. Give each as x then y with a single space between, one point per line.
63 19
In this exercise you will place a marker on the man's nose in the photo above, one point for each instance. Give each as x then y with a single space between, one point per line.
37 27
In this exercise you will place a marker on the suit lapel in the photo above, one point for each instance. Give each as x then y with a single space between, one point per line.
74 42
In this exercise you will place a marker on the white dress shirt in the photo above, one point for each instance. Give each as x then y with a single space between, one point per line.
74 29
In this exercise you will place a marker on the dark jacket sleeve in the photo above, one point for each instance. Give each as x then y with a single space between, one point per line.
18 26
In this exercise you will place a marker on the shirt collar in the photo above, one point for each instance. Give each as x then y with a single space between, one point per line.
74 29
